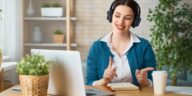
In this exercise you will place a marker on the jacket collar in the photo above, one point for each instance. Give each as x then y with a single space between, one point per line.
107 38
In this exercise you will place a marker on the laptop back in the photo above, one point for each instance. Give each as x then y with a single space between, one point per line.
69 80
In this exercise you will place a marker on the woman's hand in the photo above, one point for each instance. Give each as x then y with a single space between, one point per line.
109 74
141 76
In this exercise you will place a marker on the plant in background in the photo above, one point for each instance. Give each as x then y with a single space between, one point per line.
51 5
58 32
33 65
172 35
46 5
56 5
52 10
58 36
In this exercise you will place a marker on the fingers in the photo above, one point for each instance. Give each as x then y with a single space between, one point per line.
146 70
114 71
110 66
143 71
110 62
141 75
109 74
137 71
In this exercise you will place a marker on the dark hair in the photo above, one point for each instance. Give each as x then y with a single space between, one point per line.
130 3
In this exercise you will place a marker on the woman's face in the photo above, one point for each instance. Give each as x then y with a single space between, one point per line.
123 17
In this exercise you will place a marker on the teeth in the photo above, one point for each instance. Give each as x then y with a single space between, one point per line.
120 27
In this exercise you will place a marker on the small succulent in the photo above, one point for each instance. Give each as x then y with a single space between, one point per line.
56 5
51 5
58 32
46 5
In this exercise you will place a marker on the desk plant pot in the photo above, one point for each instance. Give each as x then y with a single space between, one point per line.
52 12
33 73
34 85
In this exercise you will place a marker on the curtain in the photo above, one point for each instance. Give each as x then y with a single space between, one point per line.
1 23
11 33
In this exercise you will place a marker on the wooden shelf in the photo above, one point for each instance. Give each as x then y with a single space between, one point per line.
48 45
49 18
66 24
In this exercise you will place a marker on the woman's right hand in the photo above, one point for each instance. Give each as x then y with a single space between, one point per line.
109 74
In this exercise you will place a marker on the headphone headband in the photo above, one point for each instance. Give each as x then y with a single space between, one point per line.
137 18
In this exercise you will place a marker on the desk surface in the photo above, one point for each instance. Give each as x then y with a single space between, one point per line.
146 91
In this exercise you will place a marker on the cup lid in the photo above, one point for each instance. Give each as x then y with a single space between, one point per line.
159 72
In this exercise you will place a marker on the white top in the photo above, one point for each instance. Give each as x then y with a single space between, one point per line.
123 70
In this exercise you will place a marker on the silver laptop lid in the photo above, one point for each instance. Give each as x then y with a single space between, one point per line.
71 79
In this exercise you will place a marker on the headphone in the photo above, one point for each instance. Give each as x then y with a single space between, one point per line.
137 18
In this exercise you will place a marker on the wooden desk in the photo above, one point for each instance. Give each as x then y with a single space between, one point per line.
147 91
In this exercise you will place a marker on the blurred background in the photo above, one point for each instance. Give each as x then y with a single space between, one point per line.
23 26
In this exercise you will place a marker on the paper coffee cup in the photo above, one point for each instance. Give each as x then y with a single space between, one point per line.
159 81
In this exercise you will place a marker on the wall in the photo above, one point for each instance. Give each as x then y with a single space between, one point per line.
92 23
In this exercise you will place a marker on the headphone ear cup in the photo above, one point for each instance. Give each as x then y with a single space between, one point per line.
109 16
136 22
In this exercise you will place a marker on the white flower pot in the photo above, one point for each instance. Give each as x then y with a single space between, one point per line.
52 12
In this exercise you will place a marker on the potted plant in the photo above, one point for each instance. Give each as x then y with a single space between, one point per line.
33 73
58 36
171 36
55 10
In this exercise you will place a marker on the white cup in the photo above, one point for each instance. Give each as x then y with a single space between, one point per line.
159 81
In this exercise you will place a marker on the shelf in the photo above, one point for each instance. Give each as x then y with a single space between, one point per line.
66 23
48 45
49 18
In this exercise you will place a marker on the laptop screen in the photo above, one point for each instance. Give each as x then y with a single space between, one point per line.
66 77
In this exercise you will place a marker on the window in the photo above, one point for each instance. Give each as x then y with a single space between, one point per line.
10 28
1 33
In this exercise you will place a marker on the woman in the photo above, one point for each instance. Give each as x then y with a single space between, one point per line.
121 56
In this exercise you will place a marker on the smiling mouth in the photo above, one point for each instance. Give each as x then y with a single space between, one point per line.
120 27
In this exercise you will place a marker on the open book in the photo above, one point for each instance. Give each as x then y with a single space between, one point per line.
123 87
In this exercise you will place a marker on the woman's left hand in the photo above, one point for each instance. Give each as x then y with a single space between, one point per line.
141 76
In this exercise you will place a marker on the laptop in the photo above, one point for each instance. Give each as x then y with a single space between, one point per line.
66 76
71 83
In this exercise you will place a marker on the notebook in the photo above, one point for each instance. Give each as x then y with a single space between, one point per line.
123 87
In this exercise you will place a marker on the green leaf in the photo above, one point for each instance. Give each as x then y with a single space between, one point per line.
169 18
33 65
